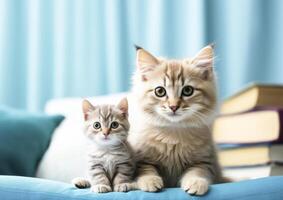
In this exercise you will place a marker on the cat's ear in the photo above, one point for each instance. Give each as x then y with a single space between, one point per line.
146 62
87 107
204 61
123 106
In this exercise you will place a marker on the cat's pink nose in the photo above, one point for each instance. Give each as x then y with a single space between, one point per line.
174 108
106 132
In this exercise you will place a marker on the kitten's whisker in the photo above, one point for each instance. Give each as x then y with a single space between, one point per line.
201 117
208 110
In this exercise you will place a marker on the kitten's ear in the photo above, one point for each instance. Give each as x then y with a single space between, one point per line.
204 61
87 107
123 106
145 62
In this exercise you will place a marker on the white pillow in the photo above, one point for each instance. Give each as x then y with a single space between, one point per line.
65 157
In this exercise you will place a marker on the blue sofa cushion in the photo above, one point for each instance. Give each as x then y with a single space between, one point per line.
17 188
24 138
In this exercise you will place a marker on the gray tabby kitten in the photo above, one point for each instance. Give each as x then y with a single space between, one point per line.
111 163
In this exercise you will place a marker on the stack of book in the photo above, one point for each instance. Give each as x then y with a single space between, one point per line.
249 133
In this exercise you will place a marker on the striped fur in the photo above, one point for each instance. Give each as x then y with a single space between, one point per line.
174 148
111 165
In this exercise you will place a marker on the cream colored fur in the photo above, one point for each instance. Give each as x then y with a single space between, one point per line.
175 149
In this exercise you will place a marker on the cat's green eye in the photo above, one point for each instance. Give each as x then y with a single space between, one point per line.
160 91
114 125
96 125
187 91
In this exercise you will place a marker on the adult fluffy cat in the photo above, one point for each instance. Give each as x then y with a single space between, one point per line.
173 103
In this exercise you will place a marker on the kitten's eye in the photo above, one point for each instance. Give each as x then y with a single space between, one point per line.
187 91
114 125
96 125
160 91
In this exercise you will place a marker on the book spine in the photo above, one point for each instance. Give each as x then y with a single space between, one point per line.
255 109
280 139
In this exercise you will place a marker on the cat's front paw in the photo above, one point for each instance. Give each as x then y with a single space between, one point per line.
101 188
81 182
123 187
150 183
195 185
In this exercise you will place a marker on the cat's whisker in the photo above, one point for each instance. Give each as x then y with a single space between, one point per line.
201 117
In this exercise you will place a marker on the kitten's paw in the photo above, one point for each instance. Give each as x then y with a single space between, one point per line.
195 185
101 188
150 183
81 183
123 187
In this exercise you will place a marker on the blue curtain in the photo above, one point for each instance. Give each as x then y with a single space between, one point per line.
63 48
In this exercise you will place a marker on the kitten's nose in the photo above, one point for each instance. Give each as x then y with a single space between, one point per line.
106 131
174 108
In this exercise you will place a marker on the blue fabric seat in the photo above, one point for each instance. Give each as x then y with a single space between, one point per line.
26 188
